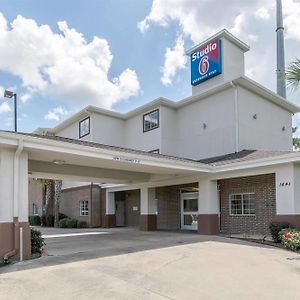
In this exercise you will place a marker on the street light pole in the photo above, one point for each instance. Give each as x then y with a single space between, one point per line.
10 94
16 113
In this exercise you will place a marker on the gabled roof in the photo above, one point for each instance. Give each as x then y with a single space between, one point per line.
242 156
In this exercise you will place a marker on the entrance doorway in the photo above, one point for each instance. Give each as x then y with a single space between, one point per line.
189 211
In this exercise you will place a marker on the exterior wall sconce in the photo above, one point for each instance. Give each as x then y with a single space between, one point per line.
254 117
204 125
283 128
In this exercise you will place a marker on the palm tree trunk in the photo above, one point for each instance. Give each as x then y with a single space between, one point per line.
49 213
57 196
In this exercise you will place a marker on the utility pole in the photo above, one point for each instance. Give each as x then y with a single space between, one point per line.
281 85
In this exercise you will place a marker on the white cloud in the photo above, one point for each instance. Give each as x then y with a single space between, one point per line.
25 97
56 114
62 65
175 59
291 12
262 13
4 108
252 21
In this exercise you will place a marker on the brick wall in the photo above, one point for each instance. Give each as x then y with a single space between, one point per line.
265 204
70 204
169 206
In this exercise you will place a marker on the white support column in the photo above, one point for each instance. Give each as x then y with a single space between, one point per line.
23 188
110 203
110 210
148 218
6 185
14 203
287 194
208 207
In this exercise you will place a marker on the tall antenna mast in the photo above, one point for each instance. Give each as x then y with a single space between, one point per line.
281 85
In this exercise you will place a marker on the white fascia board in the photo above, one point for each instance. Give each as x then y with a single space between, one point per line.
107 154
224 33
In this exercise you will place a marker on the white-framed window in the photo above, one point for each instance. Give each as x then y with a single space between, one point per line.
155 151
84 208
35 209
242 204
84 127
151 120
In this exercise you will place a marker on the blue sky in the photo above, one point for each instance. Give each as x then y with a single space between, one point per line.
56 71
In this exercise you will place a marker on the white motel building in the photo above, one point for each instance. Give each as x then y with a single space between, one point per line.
219 161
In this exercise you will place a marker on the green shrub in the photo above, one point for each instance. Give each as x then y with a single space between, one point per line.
63 222
71 223
62 216
275 228
37 242
82 224
35 220
290 238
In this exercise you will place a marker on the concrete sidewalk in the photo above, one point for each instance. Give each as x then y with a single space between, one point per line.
128 264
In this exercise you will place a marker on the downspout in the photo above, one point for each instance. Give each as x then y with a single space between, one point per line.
236 116
91 206
14 251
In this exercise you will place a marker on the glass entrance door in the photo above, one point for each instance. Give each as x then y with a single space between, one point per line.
189 211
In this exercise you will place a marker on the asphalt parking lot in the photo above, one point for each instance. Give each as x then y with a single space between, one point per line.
129 264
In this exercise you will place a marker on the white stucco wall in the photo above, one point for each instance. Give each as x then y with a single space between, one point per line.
137 139
107 130
297 188
218 138
265 132
285 188
9 209
72 131
6 185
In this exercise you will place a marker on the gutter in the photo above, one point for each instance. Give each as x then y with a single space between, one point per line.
16 223
236 116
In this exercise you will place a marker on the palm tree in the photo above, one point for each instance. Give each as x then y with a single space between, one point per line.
293 74
57 196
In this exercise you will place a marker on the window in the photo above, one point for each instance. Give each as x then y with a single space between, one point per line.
35 209
242 204
156 151
84 127
151 120
84 208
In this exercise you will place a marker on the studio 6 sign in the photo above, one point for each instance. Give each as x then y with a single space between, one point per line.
206 62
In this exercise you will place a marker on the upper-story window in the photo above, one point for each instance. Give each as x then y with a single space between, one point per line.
84 127
155 151
151 120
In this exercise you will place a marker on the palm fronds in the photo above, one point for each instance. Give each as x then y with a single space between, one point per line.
293 74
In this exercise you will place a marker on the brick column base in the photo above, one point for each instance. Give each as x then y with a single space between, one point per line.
208 224
294 220
110 221
148 222
7 232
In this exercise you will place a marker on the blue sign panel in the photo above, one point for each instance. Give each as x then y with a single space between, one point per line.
206 62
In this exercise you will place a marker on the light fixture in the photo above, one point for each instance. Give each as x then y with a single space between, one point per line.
10 94
283 128
254 116
59 162
204 125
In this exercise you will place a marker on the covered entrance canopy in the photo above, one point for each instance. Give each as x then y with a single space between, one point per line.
29 155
